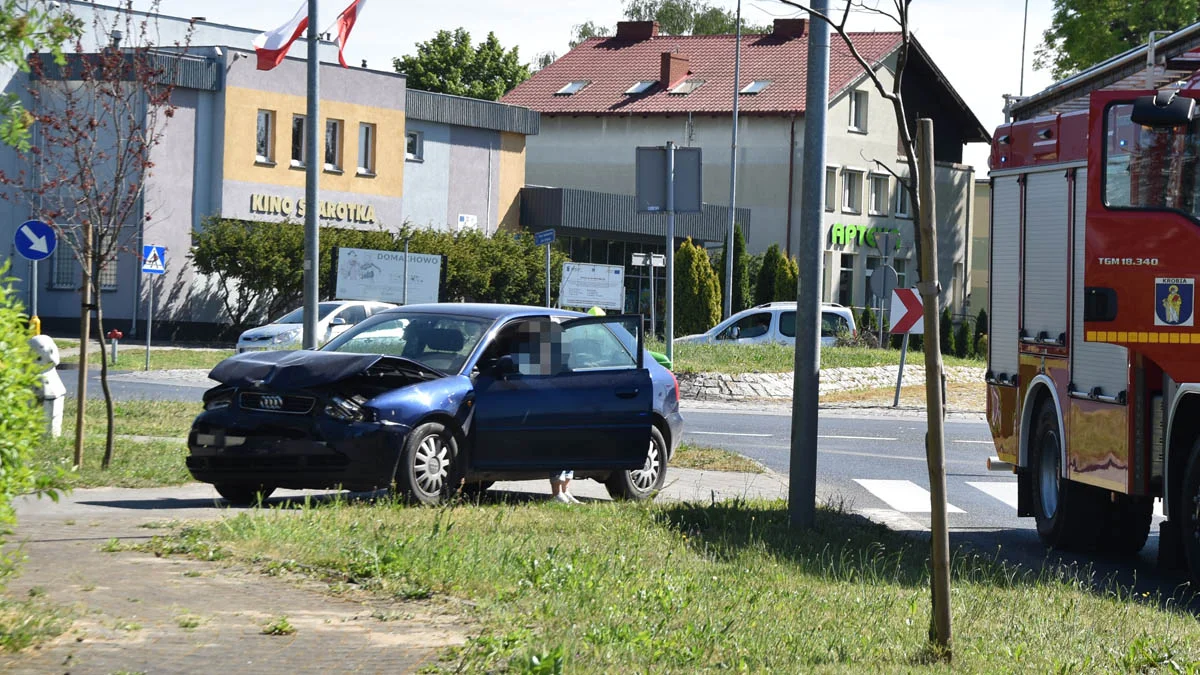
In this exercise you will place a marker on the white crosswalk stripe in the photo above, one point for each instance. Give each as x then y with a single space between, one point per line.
902 495
1005 491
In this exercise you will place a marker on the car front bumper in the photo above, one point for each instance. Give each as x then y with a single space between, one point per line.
290 451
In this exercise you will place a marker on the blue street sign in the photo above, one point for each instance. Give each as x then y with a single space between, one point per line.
35 240
544 237
154 259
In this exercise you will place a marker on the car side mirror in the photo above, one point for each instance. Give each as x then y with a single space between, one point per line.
337 321
1164 109
734 332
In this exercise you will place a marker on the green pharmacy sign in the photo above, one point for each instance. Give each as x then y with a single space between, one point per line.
847 235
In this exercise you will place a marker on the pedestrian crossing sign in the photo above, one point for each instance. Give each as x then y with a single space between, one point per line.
154 259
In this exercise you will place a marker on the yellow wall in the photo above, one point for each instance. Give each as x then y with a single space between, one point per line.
512 179
241 125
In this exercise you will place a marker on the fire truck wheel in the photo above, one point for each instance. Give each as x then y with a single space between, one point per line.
1067 513
1129 521
1190 509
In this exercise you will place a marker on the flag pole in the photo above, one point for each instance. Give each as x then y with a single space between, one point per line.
312 158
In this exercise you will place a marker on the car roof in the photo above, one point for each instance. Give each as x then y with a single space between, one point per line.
481 309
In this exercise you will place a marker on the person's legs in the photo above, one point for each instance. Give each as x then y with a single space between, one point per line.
558 487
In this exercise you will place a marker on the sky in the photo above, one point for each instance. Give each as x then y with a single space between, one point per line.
976 44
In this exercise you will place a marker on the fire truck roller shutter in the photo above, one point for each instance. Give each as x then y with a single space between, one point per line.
1093 364
1005 276
1044 280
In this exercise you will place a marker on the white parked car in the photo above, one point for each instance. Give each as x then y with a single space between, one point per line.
774 322
333 318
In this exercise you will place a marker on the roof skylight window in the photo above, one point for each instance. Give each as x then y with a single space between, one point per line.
686 87
755 87
641 87
572 88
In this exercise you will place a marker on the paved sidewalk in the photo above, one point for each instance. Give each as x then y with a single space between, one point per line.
140 613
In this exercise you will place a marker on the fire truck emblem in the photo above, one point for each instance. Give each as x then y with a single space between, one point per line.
1174 301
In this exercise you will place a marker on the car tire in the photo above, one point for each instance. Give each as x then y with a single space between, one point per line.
1129 520
244 494
427 465
476 488
1189 511
1067 513
643 483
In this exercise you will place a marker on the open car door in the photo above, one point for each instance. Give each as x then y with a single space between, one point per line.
570 394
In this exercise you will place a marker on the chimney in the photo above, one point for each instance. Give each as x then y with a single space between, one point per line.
788 29
674 68
636 31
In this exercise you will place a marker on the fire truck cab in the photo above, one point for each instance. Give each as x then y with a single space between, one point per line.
1093 379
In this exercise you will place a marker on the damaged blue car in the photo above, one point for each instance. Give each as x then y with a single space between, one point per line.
434 400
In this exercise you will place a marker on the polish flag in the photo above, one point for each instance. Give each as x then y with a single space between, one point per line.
345 22
273 45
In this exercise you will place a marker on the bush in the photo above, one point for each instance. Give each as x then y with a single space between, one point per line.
741 278
786 276
945 328
981 329
867 321
697 292
962 344
22 422
768 276
981 347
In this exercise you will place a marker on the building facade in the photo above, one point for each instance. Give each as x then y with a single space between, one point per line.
609 96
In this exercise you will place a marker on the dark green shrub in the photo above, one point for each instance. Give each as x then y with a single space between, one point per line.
768 276
981 329
697 292
867 321
786 277
962 343
945 331
741 278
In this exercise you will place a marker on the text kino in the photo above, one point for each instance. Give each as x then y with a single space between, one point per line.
273 205
847 234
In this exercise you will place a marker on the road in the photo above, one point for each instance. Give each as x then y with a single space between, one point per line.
872 462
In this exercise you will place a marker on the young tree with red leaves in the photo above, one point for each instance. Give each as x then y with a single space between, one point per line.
97 118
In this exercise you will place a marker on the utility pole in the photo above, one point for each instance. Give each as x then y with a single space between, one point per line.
312 246
737 73
670 308
802 484
935 439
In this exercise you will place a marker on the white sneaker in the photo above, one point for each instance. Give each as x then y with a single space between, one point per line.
564 498
571 497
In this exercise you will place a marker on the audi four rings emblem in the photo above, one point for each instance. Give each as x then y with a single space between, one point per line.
271 402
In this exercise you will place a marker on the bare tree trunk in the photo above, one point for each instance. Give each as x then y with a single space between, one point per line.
85 326
108 400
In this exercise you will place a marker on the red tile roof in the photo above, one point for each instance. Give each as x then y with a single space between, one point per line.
614 66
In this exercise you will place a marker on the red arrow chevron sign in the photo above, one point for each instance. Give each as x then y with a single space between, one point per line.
908 314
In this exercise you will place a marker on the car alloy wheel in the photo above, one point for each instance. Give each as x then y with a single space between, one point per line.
645 477
431 464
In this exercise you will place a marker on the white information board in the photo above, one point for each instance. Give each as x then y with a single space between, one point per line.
587 285
366 274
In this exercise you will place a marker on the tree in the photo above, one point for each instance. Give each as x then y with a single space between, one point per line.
768 274
697 293
898 12
450 64
99 117
674 17
981 329
945 326
741 280
1083 33
786 277
28 26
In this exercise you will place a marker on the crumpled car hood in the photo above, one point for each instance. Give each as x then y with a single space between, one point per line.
286 370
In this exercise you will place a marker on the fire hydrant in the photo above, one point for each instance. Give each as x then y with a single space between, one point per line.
114 335
50 390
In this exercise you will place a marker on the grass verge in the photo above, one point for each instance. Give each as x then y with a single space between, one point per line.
689 456
132 357
30 622
774 358
678 587
960 397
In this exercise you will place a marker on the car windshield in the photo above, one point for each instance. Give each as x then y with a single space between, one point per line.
441 341
297 315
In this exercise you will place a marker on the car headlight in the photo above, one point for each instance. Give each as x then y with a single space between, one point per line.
348 409
286 336
219 402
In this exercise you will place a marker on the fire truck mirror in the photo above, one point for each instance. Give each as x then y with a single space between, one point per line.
1099 304
1164 109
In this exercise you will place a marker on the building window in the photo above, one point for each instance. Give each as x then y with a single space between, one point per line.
299 141
264 145
572 87
846 281
878 204
641 87
830 188
415 146
64 274
366 149
852 191
755 87
686 87
901 266
902 203
108 275
333 146
858 111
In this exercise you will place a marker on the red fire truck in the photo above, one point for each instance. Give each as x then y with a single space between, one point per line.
1094 367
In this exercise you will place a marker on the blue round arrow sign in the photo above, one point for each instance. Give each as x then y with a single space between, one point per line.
35 240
